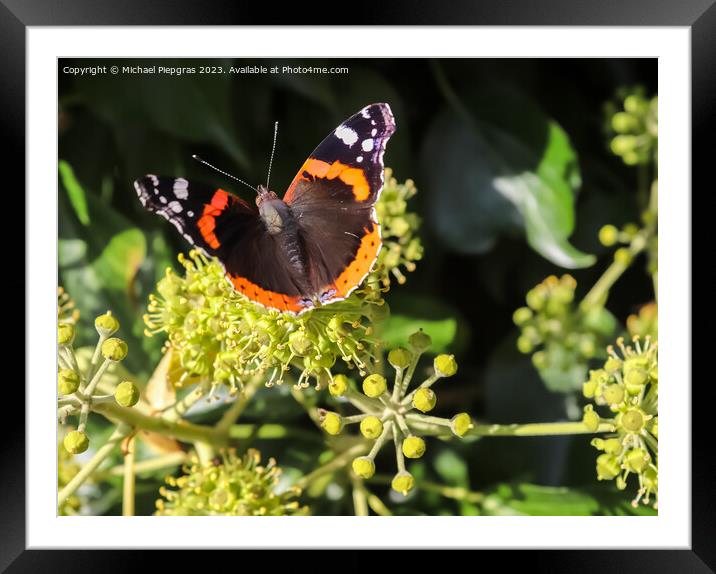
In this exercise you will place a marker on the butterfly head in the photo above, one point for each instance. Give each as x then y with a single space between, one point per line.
264 194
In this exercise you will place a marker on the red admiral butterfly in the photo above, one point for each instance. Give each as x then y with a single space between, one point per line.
311 248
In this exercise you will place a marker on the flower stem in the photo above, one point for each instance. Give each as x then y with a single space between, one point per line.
337 463
360 498
537 429
232 414
103 452
129 479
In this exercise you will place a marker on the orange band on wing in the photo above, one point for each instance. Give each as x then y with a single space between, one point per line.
207 222
362 262
269 299
354 177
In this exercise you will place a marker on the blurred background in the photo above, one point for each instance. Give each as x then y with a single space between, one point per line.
514 176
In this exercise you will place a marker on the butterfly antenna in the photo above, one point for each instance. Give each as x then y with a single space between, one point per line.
197 158
273 150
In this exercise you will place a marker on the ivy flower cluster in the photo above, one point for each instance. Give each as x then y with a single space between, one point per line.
230 485
77 387
560 335
395 414
628 386
219 337
633 123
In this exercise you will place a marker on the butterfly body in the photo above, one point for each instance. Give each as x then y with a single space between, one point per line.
310 248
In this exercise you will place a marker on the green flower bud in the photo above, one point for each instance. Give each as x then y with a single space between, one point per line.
636 104
650 478
413 447
539 360
420 340
654 427
374 385
424 400
624 122
106 324
363 466
332 423
591 418
536 298
371 427
636 377
622 256
403 482
589 388
632 420
76 442
607 467
67 382
65 333
637 460
460 424
338 386
521 316
299 343
524 345
399 358
623 144
126 394
613 394
445 365
114 349
612 446
608 235
612 365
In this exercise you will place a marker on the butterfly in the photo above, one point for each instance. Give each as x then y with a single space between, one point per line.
310 248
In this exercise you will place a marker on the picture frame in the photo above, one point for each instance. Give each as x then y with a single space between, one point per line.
700 16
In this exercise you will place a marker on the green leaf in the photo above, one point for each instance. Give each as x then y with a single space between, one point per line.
75 192
120 260
452 469
534 500
505 167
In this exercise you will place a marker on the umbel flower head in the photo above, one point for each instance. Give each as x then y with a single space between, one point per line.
231 485
628 386
394 414
218 336
558 333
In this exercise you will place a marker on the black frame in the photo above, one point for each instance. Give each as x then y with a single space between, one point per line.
699 15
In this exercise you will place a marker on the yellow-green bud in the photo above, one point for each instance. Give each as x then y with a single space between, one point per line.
338 386
363 466
650 478
403 482
420 340
590 418
608 235
126 394
637 459
612 365
521 316
371 427
623 144
332 423
76 442
299 342
106 324
539 360
524 344
654 427
632 420
424 400
445 365
613 394
612 446
589 388
536 298
114 349
460 424
67 382
607 466
636 378
65 333
374 385
413 447
622 256
623 122
399 358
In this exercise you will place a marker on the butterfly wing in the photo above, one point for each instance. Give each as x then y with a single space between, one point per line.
224 226
333 197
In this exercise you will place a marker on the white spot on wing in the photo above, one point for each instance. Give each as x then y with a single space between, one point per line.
373 132
190 213
346 135
175 206
359 158
367 145
180 188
